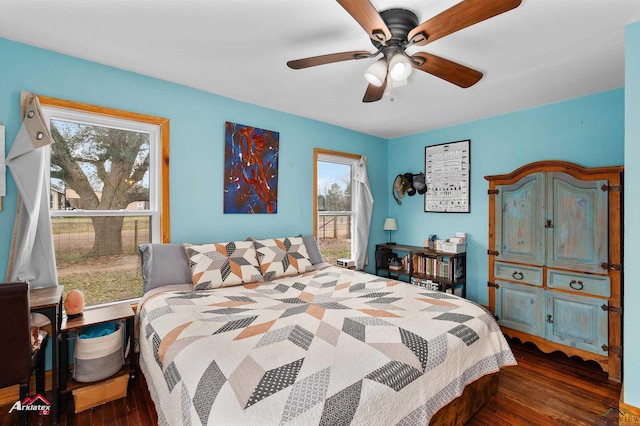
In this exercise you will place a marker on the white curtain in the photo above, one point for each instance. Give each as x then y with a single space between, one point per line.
32 257
363 206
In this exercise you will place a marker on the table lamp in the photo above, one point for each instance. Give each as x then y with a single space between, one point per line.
390 225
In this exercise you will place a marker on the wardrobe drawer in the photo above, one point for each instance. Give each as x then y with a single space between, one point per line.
582 283
518 273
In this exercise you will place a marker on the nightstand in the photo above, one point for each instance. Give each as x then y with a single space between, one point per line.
122 311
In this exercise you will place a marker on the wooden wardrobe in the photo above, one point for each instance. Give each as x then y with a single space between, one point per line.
555 259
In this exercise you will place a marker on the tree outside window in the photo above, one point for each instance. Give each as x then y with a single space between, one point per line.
100 168
106 188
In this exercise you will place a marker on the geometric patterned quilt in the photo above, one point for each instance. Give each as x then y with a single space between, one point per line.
329 347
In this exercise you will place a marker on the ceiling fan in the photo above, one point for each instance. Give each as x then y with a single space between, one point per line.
392 31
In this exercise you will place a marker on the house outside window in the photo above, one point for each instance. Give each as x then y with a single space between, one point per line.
108 174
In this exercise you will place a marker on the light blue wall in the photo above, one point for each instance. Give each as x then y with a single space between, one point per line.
588 131
197 123
631 337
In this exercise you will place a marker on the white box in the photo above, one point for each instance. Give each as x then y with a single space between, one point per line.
449 247
346 263
439 244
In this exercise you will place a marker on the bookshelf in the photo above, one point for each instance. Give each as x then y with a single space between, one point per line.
436 270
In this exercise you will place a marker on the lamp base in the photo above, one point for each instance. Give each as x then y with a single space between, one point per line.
391 243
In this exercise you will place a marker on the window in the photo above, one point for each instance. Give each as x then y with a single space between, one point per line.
334 217
109 193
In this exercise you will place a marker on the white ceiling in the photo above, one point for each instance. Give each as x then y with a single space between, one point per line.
542 52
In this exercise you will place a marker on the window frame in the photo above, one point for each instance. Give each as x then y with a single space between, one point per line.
153 124
337 157
157 124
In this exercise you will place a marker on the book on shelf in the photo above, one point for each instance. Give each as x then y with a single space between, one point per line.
424 265
445 267
428 284
458 269
435 271
452 268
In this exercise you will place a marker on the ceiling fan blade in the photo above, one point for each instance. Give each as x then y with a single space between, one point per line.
328 59
462 15
447 70
368 17
374 93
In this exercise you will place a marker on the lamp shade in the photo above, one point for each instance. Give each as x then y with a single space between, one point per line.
377 72
399 67
390 224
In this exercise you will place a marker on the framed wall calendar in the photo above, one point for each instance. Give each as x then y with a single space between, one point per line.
447 169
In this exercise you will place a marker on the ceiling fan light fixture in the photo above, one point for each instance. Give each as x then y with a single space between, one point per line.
397 83
377 72
399 67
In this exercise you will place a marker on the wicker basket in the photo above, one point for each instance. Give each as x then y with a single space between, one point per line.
99 357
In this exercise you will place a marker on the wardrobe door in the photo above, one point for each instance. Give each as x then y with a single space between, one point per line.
519 220
577 321
520 307
577 223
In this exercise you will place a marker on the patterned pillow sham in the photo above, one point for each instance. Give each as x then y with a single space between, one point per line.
223 264
282 257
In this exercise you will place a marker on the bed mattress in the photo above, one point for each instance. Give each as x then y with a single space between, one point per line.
333 346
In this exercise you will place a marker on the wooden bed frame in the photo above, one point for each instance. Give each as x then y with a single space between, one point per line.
462 409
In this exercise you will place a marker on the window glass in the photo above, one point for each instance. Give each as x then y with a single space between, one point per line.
334 211
104 277
98 167
105 200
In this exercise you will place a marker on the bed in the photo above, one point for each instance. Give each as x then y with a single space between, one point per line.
326 345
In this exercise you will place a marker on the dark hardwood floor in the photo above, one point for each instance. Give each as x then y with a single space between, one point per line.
550 389
544 389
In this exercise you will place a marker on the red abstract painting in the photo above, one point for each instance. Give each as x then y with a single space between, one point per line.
250 169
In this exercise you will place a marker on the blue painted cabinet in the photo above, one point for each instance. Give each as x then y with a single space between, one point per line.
555 259
552 219
519 220
577 321
576 223
521 307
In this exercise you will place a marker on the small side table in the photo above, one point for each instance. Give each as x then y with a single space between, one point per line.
48 301
90 317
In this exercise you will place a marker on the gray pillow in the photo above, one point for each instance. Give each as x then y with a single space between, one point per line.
313 250
164 264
